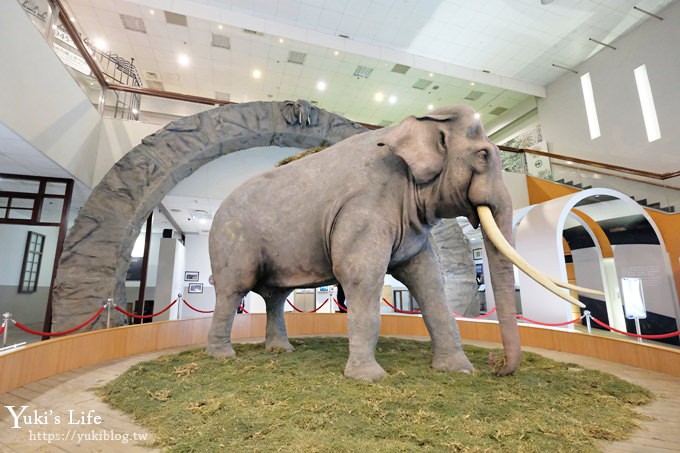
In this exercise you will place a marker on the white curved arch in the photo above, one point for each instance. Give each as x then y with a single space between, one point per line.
538 238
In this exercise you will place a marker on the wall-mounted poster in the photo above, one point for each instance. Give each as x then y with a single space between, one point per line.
195 288
190 276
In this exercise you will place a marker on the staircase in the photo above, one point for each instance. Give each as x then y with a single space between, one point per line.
642 202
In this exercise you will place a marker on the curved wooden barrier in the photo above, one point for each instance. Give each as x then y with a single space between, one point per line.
48 358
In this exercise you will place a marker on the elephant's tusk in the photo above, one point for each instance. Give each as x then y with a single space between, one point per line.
579 289
497 238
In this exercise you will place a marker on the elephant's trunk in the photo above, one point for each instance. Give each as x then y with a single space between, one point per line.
503 282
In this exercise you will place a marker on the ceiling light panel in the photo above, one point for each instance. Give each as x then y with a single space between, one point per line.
220 41
422 84
296 57
133 23
363 72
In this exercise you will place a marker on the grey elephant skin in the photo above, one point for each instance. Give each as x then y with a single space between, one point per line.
353 212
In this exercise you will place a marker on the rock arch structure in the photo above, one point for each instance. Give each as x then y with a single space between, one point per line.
97 250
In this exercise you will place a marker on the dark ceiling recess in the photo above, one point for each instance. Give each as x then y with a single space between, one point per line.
400 68
175 19
474 95
634 229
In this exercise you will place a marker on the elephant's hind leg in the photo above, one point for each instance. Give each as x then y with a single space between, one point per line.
276 337
219 336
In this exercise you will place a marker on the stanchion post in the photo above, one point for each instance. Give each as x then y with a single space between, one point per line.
180 301
637 329
5 324
586 313
109 305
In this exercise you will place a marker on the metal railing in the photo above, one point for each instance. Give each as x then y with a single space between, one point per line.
658 191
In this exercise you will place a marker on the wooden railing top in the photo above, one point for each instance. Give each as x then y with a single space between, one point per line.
70 28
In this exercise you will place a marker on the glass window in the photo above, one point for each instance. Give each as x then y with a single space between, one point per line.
35 243
51 210
55 188
19 185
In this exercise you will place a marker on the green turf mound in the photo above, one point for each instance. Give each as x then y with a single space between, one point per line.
300 402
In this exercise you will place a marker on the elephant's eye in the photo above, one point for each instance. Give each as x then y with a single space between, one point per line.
484 155
442 139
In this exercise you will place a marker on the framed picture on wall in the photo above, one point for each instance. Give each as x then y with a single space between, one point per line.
195 288
477 254
190 276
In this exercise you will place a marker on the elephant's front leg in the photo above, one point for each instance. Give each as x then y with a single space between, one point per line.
360 265
422 275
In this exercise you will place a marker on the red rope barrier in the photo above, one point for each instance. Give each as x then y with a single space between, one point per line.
2 329
485 315
55 334
196 309
301 311
294 307
413 312
549 324
342 309
243 308
628 334
132 315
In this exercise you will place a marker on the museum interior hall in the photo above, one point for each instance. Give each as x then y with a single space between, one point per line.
165 166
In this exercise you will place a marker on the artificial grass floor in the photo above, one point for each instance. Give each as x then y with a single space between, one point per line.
300 402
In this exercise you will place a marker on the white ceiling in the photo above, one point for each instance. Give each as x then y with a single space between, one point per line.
503 49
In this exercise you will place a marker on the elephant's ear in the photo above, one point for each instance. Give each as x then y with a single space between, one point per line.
288 111
412 141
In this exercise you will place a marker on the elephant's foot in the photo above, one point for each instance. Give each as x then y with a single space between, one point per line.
220 350
279 346
453 362
364 371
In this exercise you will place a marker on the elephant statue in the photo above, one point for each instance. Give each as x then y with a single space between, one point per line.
358 210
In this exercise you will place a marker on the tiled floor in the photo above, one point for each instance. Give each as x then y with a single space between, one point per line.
68 397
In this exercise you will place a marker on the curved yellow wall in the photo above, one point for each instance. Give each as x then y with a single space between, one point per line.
48 358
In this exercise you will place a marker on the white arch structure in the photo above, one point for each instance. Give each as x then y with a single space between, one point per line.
538 238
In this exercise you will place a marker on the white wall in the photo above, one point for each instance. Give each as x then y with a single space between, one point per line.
562 112
25 308
39 99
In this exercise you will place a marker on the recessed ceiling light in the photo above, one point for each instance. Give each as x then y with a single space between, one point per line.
183 59
220 26
431 75
257 74
281 40
336 53
472 84
321 85
379 97
477 115
430 107
392 99
73 19
152 12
